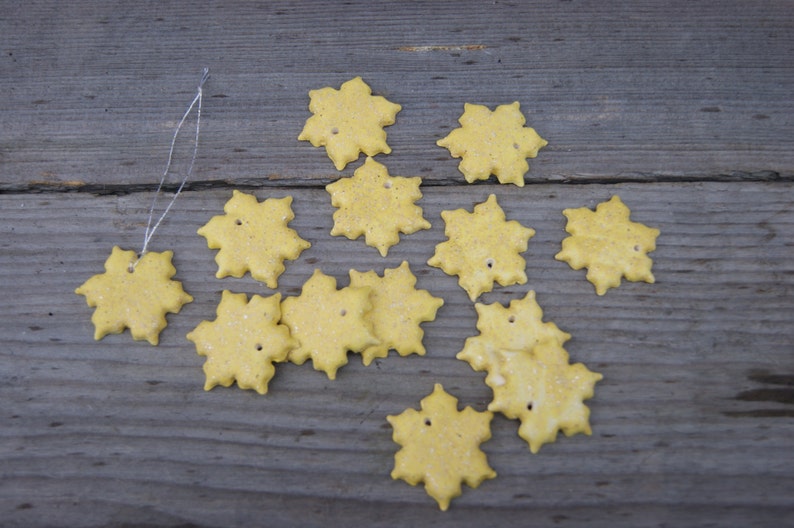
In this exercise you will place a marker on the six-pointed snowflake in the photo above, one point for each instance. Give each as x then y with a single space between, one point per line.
517 327
483 247
243 342
544 391
134 293
253 236
376 205
327 323
441 446
495 143
608 244
398 308
349 121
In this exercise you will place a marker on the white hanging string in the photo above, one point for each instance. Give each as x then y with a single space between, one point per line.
149 228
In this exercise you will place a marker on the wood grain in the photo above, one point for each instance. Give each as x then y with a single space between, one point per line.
676 90
683 109
694 406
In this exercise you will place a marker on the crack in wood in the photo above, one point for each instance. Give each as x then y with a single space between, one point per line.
274 181
419 49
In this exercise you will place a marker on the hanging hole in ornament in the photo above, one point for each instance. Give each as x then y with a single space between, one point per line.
258 347
515 146
131 268
428 422
529 406
334 131
238 222
490 263
511 319
387 185
636 248
343 312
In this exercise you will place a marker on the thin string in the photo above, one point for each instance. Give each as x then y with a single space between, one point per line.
149 228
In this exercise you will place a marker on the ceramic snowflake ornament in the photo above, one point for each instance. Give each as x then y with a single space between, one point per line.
608 244
254 237
398 309
441 446
243 342
376 205
516 327
327 323
545 392
482 248
495 143
349 121
134 293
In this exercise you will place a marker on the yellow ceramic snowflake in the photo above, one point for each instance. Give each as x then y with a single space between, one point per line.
517 327
253 236
495 143
608 244
349 121
328 323
398 308
545 392
134 294
441 446
243 342
482 248
376 205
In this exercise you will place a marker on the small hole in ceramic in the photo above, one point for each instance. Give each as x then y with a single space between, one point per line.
387 185
490 263
258 347
428 422
529 406
343 312
511 319
334 131
515 146
238 222
636 248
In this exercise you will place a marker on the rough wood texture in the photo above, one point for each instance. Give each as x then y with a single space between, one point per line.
679 90
682 109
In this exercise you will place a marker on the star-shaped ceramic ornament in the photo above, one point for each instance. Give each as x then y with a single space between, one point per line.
495 143
327 323
254 237
376 205
540 388
482 248
134 293
608 244
398 309
349 121
243 342
440 446
512 328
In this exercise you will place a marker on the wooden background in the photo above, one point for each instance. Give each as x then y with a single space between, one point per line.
684 109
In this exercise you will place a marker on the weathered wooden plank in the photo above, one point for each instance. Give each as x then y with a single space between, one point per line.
684 90
691 424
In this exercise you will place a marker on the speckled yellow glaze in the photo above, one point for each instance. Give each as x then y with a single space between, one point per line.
134 294
441 446
608 244
243 342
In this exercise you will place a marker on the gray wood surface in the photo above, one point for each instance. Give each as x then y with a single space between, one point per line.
683 109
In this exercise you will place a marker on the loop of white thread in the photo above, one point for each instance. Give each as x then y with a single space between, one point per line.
149 228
